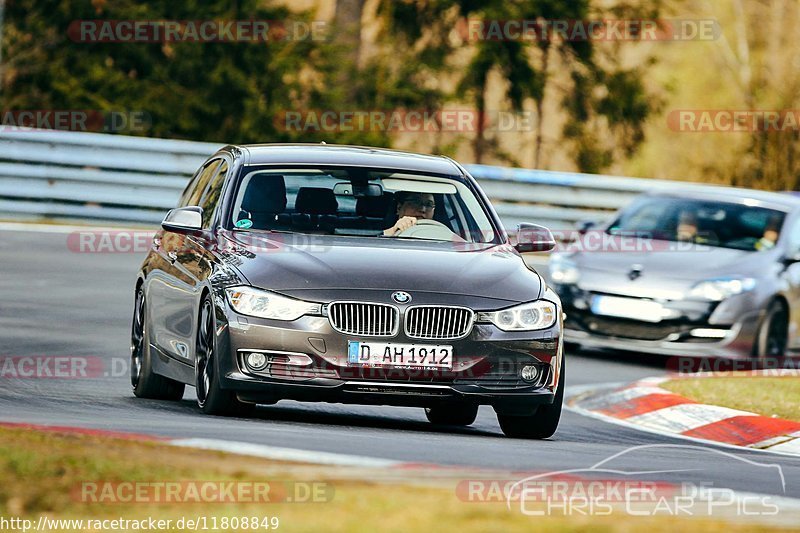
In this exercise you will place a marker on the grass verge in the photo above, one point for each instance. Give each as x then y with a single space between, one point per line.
776 396
43 474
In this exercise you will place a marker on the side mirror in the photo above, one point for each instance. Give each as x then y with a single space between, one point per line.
791 258
184 220
534 238
585 225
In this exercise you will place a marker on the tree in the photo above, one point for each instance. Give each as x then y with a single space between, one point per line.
216 91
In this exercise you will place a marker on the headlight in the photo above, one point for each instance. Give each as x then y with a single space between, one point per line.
265 304
716 290
563 271
540 314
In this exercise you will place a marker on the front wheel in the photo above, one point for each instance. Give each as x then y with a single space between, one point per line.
540 425
772 334
452 414
145 382
211 398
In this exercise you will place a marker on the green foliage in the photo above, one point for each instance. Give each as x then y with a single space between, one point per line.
226 92
240 92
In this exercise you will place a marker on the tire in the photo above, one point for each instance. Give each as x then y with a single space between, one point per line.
459 414
540 425
211 398
771 339
145 382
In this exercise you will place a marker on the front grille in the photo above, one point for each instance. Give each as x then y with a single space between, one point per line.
434 322
364 319
632 329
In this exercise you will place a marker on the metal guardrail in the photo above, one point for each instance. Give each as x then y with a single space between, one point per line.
59 175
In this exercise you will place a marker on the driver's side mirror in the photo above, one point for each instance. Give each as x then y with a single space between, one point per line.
534 238
184 220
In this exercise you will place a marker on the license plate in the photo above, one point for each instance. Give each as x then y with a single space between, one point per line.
632 308
387 354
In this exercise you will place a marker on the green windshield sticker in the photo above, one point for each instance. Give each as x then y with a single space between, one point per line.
244 223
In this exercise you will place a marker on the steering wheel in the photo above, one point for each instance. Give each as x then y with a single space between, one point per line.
428 229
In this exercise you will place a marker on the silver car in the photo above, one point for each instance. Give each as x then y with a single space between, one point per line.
700 272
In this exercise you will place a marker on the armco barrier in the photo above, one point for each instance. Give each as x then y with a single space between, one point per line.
101 178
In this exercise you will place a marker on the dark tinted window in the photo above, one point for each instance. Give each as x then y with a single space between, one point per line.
722 224
212 194
199 184
357 202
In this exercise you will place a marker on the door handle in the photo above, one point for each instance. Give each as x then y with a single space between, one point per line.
156 243
173 256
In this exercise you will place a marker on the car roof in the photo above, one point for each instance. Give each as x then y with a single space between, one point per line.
751 197
345 155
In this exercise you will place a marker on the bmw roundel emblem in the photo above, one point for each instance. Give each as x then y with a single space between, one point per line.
401 297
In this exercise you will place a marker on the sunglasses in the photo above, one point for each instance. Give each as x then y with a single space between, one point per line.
420 204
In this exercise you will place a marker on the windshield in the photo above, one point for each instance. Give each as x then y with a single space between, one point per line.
360 202
720 224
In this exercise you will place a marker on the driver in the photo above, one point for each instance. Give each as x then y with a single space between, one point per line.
411 206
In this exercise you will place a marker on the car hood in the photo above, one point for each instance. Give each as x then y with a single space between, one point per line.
663 274
294 264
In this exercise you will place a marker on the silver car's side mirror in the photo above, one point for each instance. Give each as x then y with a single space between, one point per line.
534 238
792 258
186 220
585 225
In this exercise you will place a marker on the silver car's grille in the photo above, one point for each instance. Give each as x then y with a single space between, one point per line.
435 322
364 319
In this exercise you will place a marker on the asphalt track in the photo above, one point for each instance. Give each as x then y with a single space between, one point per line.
54 301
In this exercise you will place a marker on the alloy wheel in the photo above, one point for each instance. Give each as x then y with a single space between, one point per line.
204 362
137 339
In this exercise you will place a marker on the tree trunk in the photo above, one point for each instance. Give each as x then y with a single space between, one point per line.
537 154
478 144
347 27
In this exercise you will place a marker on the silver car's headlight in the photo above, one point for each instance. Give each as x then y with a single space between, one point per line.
540 314
563 271
264 304
716 290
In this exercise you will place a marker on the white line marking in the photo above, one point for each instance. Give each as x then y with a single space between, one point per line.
285 454
654 381
607 400
769 443
687 416
791 446
575 390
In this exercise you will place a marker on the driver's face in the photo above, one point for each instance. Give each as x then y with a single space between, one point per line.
418 205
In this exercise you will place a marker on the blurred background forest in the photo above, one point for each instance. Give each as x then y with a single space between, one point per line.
591 106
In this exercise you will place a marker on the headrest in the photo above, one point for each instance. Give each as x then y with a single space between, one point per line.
266 193
316 201
373 206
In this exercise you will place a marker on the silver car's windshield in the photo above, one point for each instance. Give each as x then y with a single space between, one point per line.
720 224
359 202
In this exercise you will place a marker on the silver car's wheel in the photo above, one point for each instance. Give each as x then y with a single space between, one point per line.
772 333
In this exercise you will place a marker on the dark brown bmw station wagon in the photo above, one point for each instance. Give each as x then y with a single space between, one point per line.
347 274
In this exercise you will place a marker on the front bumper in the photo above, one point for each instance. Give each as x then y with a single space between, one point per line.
678 337
308 362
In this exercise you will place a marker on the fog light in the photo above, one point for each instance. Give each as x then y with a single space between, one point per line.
529 373
256 361
709 333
